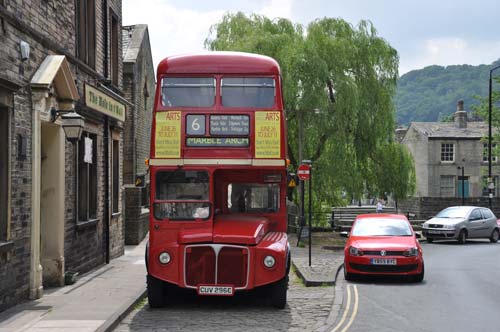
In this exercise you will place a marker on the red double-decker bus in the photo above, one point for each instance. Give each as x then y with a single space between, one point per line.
218 178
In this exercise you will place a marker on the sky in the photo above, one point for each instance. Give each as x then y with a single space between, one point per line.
424 32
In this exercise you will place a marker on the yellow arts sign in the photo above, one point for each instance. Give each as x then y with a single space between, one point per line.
267 134
168 135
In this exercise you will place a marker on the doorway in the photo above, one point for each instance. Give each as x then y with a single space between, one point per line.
52 204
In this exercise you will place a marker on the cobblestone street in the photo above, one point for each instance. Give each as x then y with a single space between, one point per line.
308 309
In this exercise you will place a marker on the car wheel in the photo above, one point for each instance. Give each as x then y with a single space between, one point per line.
430 240
494 236
420 277
462 236
347 276
156 292
277 297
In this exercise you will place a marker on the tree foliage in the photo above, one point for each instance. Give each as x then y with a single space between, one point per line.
350 141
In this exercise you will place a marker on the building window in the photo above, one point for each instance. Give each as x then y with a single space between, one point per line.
85 15
116 174
486 192
114 49
447 186
87 177
4 172
448 152
485 153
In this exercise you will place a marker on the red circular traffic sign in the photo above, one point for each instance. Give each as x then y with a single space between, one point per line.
304 172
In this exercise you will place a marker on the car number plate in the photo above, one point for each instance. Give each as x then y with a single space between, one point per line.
216 290
433 232
383 261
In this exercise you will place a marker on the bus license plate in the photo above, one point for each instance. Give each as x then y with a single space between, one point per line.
215 290
383 261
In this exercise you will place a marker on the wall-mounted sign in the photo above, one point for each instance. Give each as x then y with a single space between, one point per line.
227 125
103 103
168 135
217 141
267 134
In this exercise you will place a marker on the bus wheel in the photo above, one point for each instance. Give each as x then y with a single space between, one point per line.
278 293
156 292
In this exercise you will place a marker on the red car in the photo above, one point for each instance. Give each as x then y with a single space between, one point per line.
383 244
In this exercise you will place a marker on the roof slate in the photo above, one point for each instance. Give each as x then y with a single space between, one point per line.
474 130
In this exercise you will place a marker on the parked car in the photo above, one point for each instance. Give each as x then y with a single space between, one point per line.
383 244
462 223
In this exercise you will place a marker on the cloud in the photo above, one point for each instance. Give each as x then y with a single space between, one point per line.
171 30
449 51
278 8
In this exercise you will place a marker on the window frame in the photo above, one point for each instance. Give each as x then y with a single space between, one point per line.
444 153
85 13
115 182
485 153
114 46
87 181
165 85
442 188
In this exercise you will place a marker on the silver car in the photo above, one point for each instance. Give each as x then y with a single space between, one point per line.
462 223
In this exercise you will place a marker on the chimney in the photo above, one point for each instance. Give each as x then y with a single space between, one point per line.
460 115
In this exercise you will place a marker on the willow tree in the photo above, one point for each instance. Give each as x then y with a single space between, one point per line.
348 129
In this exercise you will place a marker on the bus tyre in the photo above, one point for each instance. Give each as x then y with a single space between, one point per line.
278 293
156 292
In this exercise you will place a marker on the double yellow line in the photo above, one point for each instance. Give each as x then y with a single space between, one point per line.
347 310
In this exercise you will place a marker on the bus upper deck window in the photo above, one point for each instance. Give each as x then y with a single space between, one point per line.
248 92
188 91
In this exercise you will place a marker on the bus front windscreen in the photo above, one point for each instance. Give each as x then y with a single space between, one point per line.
182 195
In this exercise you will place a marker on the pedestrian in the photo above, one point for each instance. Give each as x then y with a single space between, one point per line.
380 206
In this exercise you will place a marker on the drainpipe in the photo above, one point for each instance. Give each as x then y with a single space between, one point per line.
106 38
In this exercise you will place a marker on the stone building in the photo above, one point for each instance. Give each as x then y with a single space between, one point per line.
60 201
139 88
451 158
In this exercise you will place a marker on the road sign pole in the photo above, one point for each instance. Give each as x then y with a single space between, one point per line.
310 213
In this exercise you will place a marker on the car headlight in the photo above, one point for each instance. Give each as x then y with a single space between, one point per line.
425 225
269 261
412 252
353 251
449 226
164 257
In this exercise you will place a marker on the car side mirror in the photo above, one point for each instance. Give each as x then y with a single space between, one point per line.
418 235
344 234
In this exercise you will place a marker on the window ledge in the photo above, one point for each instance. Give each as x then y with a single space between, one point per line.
6 246
116 214
81 225
144 211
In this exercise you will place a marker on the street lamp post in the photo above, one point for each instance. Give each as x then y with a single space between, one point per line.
463 184
490 179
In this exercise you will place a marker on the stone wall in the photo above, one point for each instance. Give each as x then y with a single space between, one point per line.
427 207
49 28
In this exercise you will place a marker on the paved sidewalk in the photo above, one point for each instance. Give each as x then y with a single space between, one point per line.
325 263
96 302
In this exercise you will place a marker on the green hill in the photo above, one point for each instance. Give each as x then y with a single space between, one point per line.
431 93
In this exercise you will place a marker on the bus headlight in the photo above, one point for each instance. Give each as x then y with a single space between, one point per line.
269 261
164 257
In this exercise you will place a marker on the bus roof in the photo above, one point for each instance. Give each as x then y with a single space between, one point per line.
219 63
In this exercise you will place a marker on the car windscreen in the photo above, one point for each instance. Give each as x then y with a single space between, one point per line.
381 227
453 212
182 195
253 197
248 92
188 91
